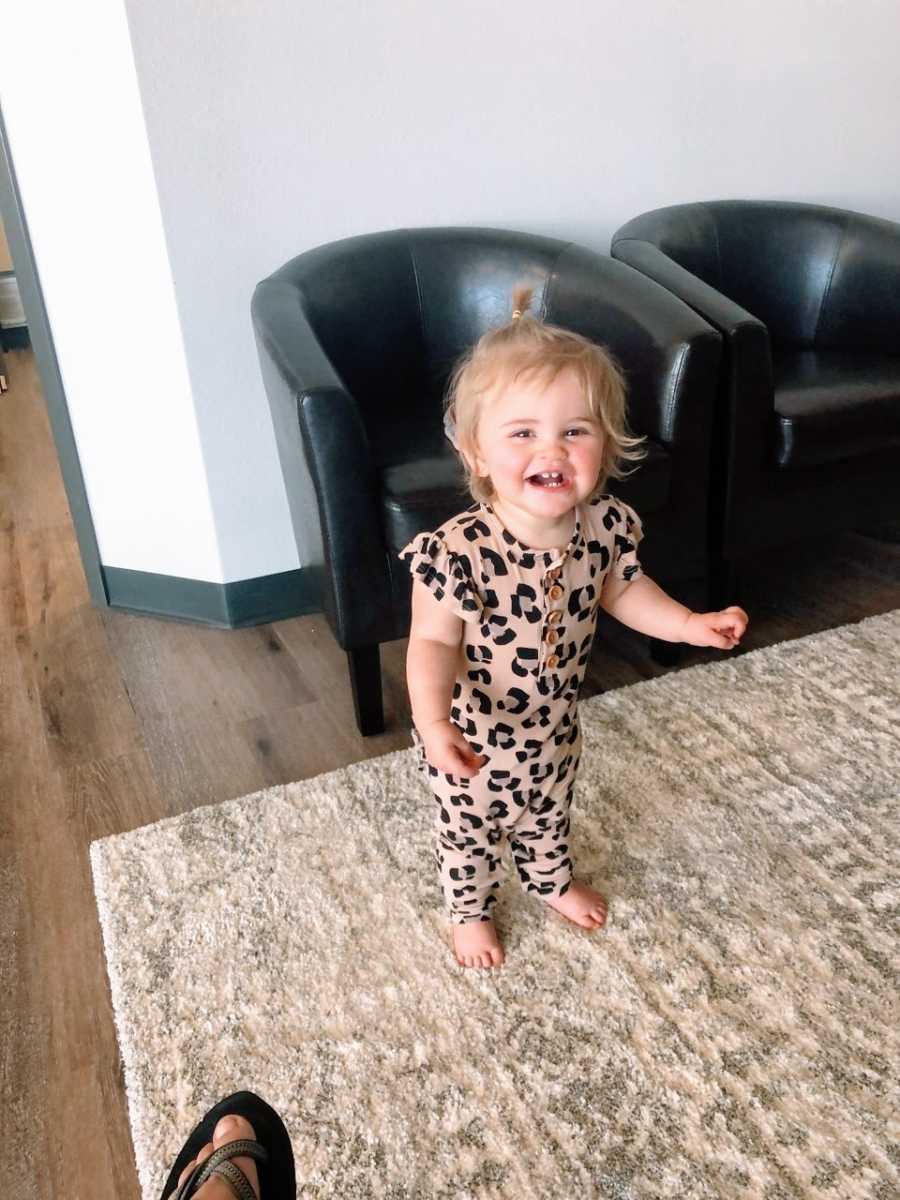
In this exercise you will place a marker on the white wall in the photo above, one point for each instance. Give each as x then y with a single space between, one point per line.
278 124
275 125
76 132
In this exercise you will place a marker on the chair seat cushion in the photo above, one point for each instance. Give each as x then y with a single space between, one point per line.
423 494
832 405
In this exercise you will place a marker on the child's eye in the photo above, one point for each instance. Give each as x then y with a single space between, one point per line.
577 430
521 433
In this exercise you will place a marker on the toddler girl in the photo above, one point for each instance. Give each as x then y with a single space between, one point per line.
504 608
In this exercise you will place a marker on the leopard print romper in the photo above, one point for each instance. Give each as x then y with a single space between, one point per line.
529 619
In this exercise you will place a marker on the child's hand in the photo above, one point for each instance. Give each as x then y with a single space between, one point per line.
720 629
448 751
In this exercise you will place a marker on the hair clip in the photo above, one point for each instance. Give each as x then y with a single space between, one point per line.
517 312
450 429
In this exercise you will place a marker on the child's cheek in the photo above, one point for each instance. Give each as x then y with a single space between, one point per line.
511 463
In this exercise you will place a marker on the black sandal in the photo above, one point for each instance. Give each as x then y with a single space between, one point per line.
271 1150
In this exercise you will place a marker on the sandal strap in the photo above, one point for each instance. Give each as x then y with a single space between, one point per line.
236 1180
243 1147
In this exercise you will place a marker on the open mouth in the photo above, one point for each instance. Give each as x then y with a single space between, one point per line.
549 479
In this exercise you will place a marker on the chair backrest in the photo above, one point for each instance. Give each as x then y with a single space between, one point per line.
394 311
815 276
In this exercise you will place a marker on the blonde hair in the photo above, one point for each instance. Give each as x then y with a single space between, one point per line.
527 347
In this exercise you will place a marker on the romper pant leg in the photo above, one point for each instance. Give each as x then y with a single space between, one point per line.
473 815
466 837
540 839
466 840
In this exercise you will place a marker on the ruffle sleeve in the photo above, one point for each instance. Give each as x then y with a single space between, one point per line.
614 530
628 532
446 573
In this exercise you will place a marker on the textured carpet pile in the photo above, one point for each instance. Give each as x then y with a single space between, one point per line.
733 1033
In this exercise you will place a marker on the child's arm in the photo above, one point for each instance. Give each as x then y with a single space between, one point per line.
432 660
643 605
432 657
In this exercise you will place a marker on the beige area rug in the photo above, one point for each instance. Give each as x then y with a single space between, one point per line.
734 1033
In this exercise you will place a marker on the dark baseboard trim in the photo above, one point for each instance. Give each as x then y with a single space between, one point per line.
227 605
14 337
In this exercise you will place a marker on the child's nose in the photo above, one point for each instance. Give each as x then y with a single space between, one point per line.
556 444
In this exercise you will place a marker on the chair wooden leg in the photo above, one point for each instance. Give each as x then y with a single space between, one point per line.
365 680
667 654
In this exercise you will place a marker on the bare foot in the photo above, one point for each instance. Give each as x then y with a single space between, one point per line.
581 905
477 945
229 1129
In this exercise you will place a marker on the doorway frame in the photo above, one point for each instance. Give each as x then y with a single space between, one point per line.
40 333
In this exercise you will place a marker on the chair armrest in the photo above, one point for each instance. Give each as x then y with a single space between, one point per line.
746 336
722 313
742 421
356 554
286 336
670 355
335 445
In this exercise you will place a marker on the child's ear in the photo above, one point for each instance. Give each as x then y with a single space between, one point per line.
474 461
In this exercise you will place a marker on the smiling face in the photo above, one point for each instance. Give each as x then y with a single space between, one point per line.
541 447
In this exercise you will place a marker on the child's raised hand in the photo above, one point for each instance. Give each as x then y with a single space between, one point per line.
720 629
448 751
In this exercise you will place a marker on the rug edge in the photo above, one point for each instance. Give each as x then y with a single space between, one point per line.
893 613
117 994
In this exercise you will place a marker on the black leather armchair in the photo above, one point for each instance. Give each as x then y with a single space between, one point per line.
357 340
807 430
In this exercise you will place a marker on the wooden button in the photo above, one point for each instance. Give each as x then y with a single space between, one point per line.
555 592
554 616
552 662
552 636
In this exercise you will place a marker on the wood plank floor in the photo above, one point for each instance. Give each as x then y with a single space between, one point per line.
109 721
